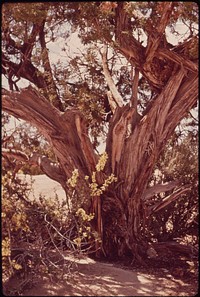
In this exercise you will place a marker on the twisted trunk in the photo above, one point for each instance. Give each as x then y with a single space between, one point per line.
132 149
132 157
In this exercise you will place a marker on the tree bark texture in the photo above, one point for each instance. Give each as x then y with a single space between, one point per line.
132 157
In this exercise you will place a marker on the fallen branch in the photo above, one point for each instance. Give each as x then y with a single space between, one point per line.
175 247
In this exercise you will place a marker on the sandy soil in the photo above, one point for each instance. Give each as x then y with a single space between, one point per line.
93 278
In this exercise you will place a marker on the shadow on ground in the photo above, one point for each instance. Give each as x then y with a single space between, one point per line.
102 279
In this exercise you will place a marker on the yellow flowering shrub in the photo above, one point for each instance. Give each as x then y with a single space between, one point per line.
5 249
73 180
84 229
97 190
83 219
14 219
102 162
53 222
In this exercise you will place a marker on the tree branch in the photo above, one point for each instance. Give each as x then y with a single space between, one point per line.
148 61
112 102
32 107
28 71
154 129
156 34
109 80
176 58
159 188
131 48
169 199
9 153
165 101
52 91
134 97
185 99
51 169
126 43
60 129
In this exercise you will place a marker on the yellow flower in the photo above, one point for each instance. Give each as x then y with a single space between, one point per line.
17 266
73 180
80 212
102 162
93 177
6 252
107 182
84 234
77 241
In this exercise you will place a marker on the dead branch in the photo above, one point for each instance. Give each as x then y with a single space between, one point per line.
116 95
112 102
169 199
160 188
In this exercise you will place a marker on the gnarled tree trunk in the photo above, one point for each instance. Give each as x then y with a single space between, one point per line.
132 151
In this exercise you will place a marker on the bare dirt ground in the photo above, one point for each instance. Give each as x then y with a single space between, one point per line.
94 278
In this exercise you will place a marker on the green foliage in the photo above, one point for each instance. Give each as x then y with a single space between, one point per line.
28 12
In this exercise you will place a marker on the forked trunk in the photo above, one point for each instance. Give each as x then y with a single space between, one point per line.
133 150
